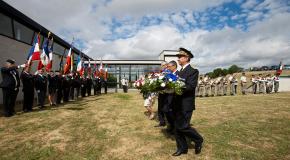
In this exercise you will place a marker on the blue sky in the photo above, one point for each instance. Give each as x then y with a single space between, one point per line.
219 32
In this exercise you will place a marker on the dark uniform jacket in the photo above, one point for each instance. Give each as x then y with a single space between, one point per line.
186 101
10 78
40 82
27 81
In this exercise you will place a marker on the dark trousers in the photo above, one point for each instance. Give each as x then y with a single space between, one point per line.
161 115
28 97
183 130
83 91
41 97
9 98
72 93
59 96
66 92
78 92
89 91
95 89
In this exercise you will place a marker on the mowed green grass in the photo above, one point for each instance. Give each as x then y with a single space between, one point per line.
114 126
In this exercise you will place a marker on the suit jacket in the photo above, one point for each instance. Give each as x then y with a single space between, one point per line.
27 81
10 78
168 106
40 83
186 101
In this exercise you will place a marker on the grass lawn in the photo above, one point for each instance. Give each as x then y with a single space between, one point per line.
114 126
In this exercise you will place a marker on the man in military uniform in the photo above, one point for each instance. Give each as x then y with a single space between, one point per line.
200 87
185 104
41 87
206 85
276 83
10 86
243 83
212 87
59 89
89 85
254 84
225 85
28 89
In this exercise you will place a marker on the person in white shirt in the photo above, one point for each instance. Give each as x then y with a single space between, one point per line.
243 83
269 83
276 83
232 84
254 84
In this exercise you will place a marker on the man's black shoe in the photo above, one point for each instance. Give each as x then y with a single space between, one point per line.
160 125
179 152
198 148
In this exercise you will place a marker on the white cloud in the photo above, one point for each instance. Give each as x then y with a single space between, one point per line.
266 42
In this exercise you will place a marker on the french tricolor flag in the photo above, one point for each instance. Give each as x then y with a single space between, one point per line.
279 70
49 65
67 66
80 65
44 56
34 53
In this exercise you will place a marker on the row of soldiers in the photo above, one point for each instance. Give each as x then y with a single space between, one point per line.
59 87
220 86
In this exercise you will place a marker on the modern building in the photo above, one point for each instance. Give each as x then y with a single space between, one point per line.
16 36
134 69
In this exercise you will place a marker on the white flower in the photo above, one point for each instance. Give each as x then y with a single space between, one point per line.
161 77
170 80
162 84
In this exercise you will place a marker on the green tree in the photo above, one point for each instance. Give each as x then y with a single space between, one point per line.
234 69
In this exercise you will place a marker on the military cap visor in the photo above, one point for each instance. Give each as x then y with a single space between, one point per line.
10 61
184 52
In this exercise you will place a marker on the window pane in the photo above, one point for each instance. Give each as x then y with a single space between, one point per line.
58 49
22 32
5 25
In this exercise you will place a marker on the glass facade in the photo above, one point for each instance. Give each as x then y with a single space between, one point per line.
6 25
23 33
130 71
58 49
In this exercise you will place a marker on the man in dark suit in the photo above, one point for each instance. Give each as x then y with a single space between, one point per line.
161 102
41 87
10 86
89 85
169 99
59 87
185 104
28 89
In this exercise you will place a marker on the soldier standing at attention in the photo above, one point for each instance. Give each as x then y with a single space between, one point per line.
185 105
243 83
41 88
212 86
206 85
10 86
254 84
28 89
225 86
201 87
276 83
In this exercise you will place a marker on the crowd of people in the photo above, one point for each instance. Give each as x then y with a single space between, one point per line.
59 87
228 85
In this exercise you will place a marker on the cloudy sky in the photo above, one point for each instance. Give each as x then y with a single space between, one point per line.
218 32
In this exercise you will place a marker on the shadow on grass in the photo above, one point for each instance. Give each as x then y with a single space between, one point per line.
74 108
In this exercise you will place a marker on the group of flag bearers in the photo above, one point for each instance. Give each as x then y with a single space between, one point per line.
228 85
61 86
